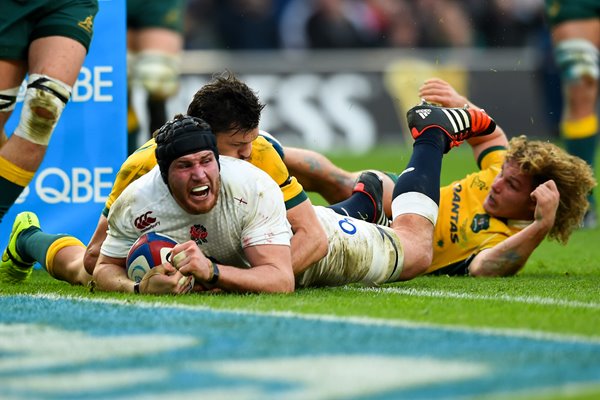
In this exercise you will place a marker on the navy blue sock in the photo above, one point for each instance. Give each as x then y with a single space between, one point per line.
422 174
358 205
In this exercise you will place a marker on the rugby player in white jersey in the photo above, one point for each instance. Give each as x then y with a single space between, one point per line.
238 208
244 245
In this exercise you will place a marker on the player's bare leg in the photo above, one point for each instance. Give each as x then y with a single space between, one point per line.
54 64
67 265
154 65
61 255
417 192
576 44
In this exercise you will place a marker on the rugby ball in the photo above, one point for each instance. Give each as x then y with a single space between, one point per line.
148 251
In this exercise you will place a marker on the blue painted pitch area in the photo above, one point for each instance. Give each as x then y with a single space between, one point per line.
64 348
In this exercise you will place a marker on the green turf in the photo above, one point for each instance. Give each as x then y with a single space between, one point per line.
557 292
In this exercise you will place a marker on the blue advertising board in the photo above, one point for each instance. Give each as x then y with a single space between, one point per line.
89 144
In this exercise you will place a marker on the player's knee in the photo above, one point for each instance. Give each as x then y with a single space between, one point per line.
157 72
44 102
577 59
418 256
416 265
423 260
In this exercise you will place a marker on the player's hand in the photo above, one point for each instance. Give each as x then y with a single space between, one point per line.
438 91
546 197
165 279
190 260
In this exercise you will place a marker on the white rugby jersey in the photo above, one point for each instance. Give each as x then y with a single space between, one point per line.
249 211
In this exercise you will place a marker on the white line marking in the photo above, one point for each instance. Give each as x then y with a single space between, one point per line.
543 301
508 332
349 375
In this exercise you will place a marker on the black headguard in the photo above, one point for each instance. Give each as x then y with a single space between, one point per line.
182 136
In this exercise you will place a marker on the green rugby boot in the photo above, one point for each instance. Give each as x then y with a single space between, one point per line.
13 268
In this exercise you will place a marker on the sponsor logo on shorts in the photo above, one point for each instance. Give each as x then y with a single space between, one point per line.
87 24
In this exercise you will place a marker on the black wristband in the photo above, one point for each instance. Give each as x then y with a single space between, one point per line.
215 276
136 288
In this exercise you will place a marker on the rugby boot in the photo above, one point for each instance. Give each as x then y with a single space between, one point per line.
458 124
371 185
13 268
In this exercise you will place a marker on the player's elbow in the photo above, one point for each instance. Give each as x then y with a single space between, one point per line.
286 284
416 265
321 244
99 275
494 268
90 258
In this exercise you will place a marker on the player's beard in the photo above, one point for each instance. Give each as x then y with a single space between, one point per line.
205 205
194 206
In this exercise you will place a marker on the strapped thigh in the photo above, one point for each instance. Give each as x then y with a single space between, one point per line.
44 102
577 58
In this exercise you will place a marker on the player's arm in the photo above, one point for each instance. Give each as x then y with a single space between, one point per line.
92 251
316 173
309 243
509 256
110 276
438 91
270 271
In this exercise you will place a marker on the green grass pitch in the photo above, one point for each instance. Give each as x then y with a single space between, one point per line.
557 291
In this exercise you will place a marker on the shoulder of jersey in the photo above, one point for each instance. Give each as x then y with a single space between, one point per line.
274 142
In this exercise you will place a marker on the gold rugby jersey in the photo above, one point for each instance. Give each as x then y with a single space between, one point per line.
263 156
463 227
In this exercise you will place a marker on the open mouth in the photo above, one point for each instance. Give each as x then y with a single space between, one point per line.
200 191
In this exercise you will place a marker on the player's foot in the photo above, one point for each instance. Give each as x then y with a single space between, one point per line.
458 124
371 185
13 268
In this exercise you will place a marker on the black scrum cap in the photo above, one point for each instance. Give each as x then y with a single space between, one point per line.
182 136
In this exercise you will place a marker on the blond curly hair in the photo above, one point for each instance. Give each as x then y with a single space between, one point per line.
573 177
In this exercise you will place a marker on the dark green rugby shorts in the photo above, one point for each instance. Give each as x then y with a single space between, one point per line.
155 14
23 21
558 11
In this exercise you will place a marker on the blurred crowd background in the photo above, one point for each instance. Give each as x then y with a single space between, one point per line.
323 24
239 25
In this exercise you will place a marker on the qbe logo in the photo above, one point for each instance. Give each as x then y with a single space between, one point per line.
74 186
